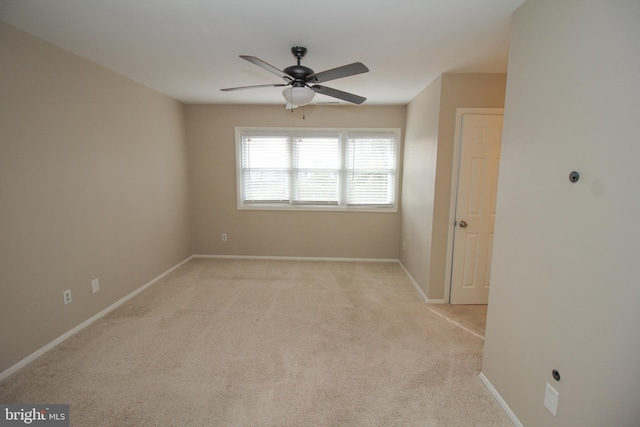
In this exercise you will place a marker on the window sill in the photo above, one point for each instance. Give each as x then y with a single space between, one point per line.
317 208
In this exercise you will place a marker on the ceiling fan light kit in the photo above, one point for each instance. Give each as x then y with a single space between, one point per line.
300 80
297 96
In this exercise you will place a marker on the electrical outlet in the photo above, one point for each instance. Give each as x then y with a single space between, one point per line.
95 285
224 237
66 296
404 246
551 398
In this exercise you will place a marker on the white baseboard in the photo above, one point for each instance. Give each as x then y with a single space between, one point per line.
289 258
415 285
33 356
516 422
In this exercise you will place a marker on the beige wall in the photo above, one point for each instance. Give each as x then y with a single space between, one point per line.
211 136
93 183
418 181
430 135
565 288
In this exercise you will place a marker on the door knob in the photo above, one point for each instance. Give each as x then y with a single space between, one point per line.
463 224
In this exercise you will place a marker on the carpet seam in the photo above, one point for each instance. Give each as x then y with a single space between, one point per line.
456 323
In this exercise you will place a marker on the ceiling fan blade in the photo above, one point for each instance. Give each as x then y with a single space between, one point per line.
337 73
335 93
260 63
229 89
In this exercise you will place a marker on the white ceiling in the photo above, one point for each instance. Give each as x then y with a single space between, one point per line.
188 49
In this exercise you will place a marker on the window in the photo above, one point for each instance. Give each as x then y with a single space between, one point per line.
317 169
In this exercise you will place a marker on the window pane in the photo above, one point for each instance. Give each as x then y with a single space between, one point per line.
370 189
371 152
316 186
265 152
266 185
317 152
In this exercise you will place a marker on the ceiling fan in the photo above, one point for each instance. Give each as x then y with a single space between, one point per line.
301 81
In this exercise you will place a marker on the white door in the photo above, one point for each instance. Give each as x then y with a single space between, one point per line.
475 208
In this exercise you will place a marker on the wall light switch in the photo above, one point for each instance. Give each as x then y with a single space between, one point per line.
551 398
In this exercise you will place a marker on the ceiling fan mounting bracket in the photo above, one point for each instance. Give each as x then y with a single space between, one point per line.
299 52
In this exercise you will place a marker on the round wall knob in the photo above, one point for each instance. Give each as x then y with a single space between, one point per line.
463 224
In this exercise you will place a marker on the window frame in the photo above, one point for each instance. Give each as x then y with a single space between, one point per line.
341 206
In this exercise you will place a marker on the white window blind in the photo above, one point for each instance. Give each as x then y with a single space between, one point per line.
316 169
371 165
265 168
311 168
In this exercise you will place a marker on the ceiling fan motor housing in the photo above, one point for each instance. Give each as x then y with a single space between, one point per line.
298 72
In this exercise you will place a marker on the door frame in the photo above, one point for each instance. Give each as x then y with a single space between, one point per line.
453 198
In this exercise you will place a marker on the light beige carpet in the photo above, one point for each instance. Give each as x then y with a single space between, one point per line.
267 343
473 318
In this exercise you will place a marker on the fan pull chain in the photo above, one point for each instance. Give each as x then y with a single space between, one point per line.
303 114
